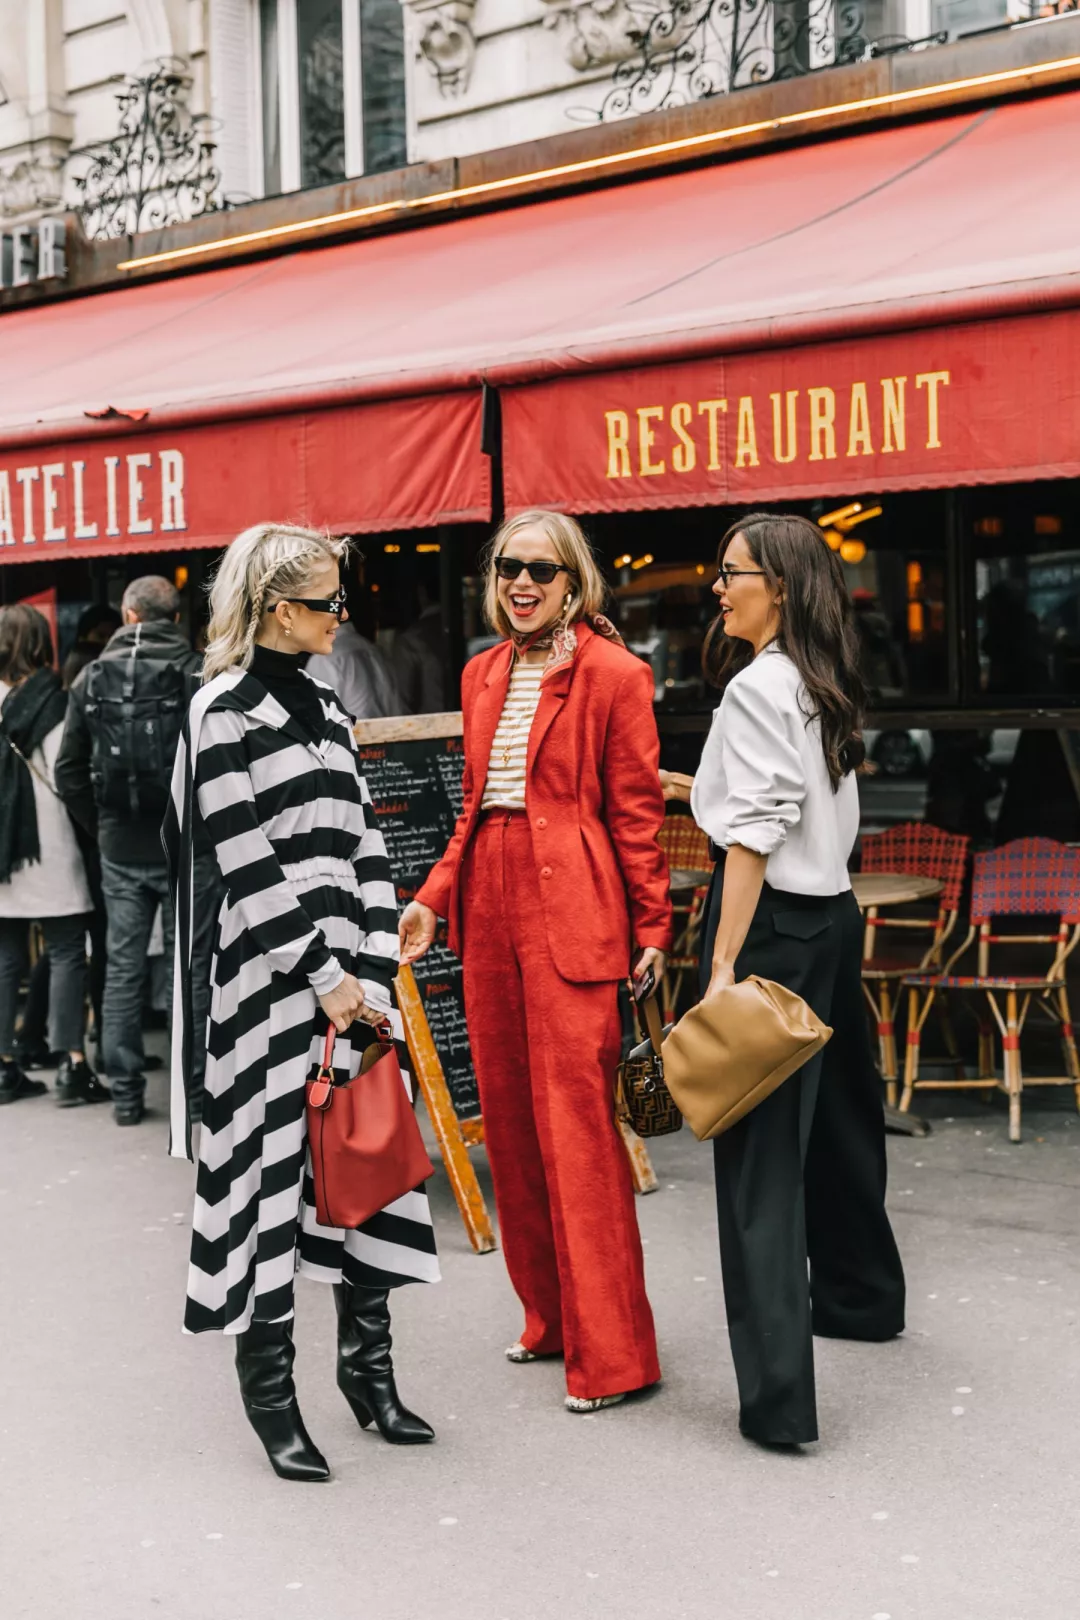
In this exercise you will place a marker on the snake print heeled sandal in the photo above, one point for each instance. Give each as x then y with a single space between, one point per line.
583 1403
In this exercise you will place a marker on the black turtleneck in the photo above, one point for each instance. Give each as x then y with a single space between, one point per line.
283 676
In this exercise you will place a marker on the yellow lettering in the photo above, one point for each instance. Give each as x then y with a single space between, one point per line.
684 455
859 442
932 381
647 438
618 444
779 452
894 432
822 419
712 408
746 435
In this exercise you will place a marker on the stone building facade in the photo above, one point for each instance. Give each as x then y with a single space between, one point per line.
303 93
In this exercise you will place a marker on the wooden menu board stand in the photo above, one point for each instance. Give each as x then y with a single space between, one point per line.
413 765
450 1132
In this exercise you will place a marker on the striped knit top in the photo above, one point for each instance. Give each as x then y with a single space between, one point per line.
505 786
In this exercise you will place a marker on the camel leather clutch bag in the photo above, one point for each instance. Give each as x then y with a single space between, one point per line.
727 1054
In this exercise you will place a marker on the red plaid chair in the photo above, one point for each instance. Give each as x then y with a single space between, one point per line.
687 849
920 851
1031 877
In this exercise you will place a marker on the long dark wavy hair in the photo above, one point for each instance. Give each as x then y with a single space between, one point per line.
817 630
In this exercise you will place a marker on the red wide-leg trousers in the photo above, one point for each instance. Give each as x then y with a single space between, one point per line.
545 1052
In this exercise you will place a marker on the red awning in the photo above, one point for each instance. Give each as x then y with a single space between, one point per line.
340 385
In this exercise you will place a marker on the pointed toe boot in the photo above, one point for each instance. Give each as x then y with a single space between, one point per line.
264 1364
365 1372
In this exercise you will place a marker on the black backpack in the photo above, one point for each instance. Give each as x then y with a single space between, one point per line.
135 709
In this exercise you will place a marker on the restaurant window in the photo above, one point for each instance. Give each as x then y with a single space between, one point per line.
894 557
333 90
1026 551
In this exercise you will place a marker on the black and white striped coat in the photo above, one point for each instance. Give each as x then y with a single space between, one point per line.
308 894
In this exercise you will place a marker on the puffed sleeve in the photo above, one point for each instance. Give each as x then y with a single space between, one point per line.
765 784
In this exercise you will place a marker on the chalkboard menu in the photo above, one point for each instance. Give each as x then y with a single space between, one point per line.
413 770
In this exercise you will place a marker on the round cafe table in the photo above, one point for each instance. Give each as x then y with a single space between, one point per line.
895 889
689 877
891 888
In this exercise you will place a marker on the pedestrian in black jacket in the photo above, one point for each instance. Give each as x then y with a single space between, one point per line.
124 717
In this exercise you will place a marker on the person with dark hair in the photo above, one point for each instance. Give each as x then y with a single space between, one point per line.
114 777
97 624
805 1242
42 878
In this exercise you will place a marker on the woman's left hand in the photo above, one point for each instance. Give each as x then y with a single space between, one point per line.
651 957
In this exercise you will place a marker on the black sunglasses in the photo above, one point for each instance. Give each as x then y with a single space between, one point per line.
541 573
320 604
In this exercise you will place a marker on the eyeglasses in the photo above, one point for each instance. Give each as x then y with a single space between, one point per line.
320 604
728 574
541 573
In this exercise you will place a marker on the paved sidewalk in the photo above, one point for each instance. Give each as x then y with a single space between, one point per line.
945 1487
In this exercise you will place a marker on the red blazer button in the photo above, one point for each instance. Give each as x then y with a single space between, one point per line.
545 871
541 821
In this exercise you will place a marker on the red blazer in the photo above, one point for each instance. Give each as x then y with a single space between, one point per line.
594 804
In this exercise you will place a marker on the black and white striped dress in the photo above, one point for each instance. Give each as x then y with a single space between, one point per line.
308 893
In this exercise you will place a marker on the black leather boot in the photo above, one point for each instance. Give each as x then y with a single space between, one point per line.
365 1372
264 1364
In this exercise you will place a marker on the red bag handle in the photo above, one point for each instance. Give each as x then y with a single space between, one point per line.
321 1089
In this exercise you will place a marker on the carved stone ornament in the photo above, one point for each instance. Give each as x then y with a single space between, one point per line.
595 32
30 186
447 43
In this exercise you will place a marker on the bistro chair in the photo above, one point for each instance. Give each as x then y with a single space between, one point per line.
1029 878
687 850
919 851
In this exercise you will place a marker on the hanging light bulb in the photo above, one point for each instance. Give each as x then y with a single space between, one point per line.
852 551
833 538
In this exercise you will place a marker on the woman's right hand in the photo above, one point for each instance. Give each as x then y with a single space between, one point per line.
344 1003
416 931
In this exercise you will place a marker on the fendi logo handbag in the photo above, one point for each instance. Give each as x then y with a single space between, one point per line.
642 1098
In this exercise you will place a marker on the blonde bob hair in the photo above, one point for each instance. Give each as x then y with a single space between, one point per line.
263 564
585 583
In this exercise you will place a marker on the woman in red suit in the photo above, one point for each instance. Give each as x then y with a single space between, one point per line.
553 881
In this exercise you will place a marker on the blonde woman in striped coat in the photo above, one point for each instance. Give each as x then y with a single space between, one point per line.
266 774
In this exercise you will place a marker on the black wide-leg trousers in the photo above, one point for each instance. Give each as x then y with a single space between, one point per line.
805 1242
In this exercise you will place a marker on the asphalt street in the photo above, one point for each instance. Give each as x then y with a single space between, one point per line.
944 1486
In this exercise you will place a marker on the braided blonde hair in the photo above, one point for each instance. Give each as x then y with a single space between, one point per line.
270 560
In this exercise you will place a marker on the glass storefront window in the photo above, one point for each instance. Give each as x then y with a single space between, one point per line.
333 90
382 72
1027 597
895 561
322 92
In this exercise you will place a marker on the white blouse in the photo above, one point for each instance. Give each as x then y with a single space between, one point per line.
505 785
763 782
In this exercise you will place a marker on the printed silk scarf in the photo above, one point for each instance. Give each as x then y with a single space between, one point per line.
563 642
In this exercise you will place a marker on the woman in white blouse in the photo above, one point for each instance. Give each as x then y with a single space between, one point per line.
805 1241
